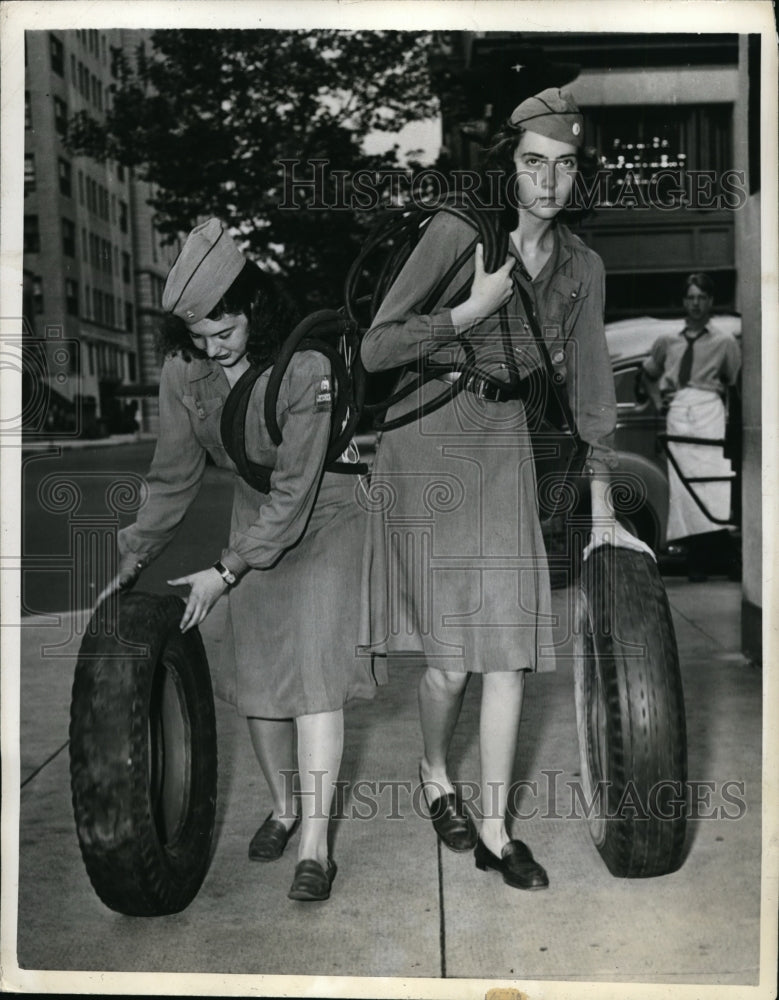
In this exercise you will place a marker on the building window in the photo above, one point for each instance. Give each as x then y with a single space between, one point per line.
65 174
107 257
657 144
57 54
71 296
120 173
84 245
94 89
126 268
73 71
81 186
123 216
97 305
128 316
68 238
103 59
29 172
87 302
110 315
27 110
60 117
32 235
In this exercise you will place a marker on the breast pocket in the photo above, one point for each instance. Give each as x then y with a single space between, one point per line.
205 415
565 303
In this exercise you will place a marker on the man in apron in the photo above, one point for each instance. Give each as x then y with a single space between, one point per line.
693 370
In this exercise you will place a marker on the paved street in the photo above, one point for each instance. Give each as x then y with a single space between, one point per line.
74 502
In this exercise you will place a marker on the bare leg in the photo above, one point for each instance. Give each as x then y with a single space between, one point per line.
501 709
274 744
320 748
440 699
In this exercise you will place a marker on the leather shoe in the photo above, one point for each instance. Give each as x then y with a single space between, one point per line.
311 882
452 821
516 865
269 841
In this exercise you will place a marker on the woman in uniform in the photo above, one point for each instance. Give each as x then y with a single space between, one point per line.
290 559
458 563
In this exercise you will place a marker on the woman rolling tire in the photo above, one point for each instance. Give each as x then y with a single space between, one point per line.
630 714
143 756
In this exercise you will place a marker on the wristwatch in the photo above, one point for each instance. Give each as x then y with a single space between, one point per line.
227 575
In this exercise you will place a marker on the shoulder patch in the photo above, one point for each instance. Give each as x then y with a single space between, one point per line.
324 396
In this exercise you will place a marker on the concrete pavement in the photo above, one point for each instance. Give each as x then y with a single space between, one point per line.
400 907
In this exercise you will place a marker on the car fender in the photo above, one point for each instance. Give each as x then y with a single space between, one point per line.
638 483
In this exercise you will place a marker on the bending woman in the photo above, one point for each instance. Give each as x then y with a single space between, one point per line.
289 566
458 560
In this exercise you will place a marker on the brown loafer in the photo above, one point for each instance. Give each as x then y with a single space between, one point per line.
311 882
269 841
452 821
516 864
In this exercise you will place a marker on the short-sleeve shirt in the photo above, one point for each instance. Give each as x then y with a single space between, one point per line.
716 360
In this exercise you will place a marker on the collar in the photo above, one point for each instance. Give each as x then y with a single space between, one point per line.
200 369
697 335
561 252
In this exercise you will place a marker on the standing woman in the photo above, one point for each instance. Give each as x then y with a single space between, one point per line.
289 565
458 563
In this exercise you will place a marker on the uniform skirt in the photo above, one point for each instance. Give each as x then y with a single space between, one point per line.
456 566
290 645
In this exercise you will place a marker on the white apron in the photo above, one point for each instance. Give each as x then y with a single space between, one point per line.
697 413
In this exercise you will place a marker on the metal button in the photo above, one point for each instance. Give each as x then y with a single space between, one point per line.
558 357
573 295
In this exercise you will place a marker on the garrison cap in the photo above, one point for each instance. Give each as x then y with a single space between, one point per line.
551 113
208 264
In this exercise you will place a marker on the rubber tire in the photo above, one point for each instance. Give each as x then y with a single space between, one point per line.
630 714
143 755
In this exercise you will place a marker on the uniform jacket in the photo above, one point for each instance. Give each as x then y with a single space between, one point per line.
192 395
569 299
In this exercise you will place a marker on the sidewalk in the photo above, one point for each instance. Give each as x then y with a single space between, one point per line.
401 907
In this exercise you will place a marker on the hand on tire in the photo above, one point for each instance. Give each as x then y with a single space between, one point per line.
611 532
207 587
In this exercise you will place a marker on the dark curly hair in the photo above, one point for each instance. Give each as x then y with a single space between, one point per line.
499 160
258 296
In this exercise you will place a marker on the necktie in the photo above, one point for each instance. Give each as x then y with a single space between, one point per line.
685 368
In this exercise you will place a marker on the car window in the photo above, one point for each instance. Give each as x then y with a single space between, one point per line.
625 387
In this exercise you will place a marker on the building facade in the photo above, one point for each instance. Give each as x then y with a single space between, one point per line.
93 261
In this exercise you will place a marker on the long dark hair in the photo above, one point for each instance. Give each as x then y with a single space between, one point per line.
258 296
499 157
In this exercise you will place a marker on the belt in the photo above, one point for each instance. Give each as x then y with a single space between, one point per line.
482 387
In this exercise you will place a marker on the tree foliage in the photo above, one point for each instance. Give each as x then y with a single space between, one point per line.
208 116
